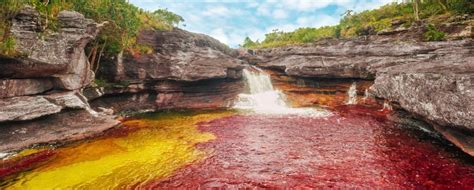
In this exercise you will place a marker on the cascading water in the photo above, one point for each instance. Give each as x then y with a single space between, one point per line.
264 99
366 95
352 94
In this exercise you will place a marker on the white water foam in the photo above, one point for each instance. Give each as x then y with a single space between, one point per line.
264 99
4 155
352 94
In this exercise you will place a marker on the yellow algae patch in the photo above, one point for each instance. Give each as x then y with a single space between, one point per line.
163 143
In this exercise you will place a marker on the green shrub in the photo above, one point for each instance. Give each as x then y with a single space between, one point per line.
102 83
432 34
7 47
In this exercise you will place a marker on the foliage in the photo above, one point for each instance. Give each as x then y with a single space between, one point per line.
248 43
461 6
124 19
169 17
8 46
433 34
102 83
368 22
302 35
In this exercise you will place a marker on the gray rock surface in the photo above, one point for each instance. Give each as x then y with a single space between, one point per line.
59 128
51 54
51 70
22 87
31 107
26 108
185 71
179 55
441 91
354 59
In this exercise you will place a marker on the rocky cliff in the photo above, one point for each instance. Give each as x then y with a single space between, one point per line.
432 80
45 80
186 70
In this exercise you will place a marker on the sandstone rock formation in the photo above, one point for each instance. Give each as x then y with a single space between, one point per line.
41 86
57 56
186 70
354 58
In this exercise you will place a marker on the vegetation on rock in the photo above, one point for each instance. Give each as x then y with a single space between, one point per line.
370 22
124 21
433 34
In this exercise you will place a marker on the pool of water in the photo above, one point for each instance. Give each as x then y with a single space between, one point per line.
270 143
354 147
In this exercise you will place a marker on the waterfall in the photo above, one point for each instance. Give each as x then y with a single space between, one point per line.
264 99
366 95
352 94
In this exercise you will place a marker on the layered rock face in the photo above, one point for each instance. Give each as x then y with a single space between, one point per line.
46 79
432 80
440 90
186 70
52 67
55 56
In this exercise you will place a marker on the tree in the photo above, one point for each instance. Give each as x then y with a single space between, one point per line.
248 43
416 8
168 17
443 4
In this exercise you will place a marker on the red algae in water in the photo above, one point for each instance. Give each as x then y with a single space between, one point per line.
10 167
357 148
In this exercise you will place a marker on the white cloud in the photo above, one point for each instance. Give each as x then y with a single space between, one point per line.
220 35
317 20
306 5
280 14
216 11
264 9
283 27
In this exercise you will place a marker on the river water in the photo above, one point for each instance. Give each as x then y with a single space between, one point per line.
263 143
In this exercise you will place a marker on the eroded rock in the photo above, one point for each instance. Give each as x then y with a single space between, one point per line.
355 59
181 56
51 54
185 71
22 87
62 127
31 107
26 108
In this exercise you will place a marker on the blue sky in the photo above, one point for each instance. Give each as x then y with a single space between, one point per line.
230 21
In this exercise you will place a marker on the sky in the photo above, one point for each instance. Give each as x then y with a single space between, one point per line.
230 21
